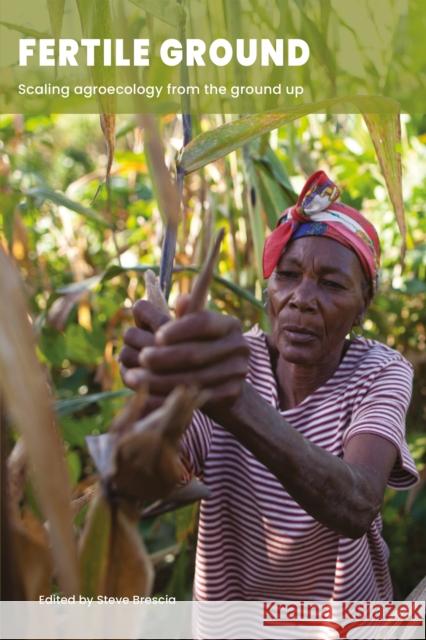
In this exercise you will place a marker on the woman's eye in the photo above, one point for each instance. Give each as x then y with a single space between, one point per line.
333 284
287 274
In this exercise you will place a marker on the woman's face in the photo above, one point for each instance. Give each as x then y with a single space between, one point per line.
316 294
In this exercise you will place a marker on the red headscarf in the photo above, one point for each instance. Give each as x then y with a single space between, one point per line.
317 213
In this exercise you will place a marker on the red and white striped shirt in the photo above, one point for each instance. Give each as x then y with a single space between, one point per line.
255 542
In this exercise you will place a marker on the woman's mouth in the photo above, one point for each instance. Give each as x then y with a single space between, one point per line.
298 334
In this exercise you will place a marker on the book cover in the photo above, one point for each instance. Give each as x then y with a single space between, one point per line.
253 432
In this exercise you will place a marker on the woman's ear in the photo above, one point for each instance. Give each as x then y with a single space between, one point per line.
359 320
366 297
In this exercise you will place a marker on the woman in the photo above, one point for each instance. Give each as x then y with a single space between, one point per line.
304 429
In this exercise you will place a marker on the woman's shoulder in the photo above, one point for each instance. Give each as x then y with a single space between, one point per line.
375 353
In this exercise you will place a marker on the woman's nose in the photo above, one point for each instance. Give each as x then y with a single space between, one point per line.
303 296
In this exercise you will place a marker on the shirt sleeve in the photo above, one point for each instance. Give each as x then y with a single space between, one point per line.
195 444
382 412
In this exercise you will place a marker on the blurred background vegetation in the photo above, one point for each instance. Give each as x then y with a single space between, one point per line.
82 253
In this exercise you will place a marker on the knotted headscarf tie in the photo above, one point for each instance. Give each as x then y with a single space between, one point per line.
317 213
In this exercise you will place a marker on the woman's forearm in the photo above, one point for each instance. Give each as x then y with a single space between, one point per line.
332 491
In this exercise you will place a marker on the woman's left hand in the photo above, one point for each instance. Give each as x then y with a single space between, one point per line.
205 349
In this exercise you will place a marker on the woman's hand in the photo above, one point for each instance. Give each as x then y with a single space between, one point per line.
147 320
204 348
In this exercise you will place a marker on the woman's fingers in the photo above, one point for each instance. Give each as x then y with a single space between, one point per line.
134 340
132 377
162 384
203 325
138 338
192 355
147 316
129 357
206 349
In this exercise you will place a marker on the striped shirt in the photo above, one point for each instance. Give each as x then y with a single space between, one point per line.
254 541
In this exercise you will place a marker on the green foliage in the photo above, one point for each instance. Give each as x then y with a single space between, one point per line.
83 260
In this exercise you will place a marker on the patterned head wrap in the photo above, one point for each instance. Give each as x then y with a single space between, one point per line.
317 213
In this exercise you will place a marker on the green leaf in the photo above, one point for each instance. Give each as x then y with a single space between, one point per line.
319 46
29 33
244 294
255 216
83 346
56 16
167 10
276 169
217 143
96 22
71 405
381 116
45 193
74 466
83 285
273 197
275 188
75 430
186 520
9 202
385 132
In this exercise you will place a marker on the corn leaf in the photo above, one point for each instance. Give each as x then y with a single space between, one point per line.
28 402
26 31
34 561
108 129
385 132
116 270
254 210
275 188
381 116
130 570
273 198
94 546
45 193
217 143
71 405
245 294
56 16
166 10
96 22
165 189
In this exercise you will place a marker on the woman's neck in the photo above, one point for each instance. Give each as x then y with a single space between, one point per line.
296 382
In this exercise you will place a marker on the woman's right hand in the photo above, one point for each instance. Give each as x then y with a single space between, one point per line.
147 320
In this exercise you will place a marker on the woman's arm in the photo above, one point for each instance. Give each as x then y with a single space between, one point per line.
209 350
344 495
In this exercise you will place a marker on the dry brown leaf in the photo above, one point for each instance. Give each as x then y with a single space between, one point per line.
201 286
108 129
16 474
130 412
166 189
130 571
147 461
77 504
29 405
33 556
84 313
154 293
113 558
60 310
